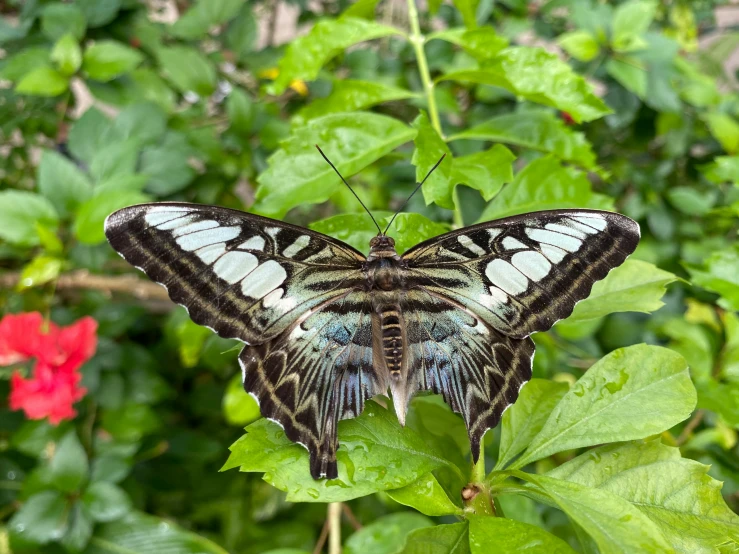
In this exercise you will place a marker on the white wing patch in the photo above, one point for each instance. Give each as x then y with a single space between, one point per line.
554 254
264 279
254 243
199 239
593 220
506 277
509 243
301 242
469 244
566 242
233 266
532 264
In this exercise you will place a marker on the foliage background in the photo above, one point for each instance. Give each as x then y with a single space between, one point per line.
106 103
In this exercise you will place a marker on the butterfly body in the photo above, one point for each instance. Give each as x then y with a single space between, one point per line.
326 328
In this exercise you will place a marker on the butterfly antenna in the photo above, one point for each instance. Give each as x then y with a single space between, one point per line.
415 190
350 188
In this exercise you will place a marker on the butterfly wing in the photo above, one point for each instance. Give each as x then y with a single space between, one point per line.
315 373
476 368
522 274
244 276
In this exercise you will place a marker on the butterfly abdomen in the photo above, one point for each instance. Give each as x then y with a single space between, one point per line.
392 338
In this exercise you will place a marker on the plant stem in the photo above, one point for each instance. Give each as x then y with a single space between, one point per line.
478 469
334 528
418 40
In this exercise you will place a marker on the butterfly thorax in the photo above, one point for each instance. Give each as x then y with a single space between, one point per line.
385 279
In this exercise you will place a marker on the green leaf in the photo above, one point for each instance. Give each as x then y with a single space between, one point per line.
579 44
106 501
635 286
545 184
349 95
631 20
526 417
147 85
240 110
91 132
410 229
119 158
122 182
674 492
537 129
364 9
355 229
375 454
538 76
427 496
468 10
204 15
33 437
43 81
167 165
239 408
67 55
39 271
59 19
107 59
41 519
144 121
188 69
615 525
629 394
24 62
21 212
79 528
307 54
482 43
691 201
242 32
722 169
430 147
62 182
298 175
88 225
486 171
99 12
630 72
68 468
141 533
130 422
386 534
724 128
441 539
507 536
719 274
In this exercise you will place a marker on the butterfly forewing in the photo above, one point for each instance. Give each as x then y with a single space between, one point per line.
245 276
522 274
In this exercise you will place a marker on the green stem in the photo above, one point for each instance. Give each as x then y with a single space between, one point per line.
478 469
418 40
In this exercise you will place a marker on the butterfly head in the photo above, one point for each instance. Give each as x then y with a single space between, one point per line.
382 246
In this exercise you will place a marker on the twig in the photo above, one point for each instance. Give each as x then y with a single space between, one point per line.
351 517
690 427
334 528
321 538
83 279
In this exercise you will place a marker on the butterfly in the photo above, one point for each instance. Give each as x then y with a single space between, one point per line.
326 328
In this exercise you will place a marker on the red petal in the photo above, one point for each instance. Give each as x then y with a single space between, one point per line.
20 337
78 342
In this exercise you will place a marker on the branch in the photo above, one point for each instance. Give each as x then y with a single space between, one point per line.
83 279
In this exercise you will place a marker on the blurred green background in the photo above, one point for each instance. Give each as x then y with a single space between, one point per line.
631 106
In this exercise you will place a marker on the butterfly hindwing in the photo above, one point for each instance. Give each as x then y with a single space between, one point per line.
316 373
244 276
523 273
477 369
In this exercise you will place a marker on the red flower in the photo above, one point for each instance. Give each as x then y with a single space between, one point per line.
59 352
